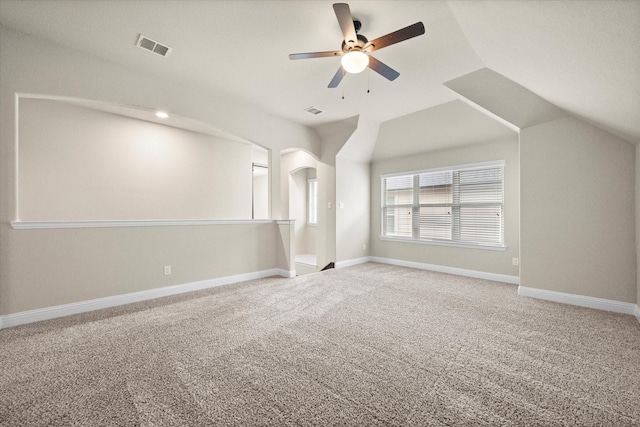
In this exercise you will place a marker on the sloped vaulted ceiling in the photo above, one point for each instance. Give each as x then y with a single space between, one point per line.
582 56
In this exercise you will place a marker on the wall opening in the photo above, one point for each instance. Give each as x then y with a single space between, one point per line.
84 160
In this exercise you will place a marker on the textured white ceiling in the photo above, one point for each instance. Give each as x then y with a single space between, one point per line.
582 56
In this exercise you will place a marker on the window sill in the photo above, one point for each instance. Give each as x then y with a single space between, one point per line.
443 243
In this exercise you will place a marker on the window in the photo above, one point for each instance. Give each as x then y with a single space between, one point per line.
312 194
461 205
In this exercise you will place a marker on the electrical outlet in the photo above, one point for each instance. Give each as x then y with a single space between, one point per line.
364 247
167 270
515 261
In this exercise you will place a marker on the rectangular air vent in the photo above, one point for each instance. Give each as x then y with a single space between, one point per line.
153 46
313 110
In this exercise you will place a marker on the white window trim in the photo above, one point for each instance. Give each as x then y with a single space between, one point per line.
500 247
445 168
444 243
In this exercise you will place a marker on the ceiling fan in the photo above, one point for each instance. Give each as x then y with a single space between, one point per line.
356 48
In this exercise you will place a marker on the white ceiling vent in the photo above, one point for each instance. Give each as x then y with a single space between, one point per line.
313 110
146 43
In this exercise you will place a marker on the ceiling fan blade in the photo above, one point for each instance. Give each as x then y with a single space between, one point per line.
382 69
403 34
343 13
309 55
335 81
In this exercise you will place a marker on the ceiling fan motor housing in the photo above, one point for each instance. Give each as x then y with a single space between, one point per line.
357 46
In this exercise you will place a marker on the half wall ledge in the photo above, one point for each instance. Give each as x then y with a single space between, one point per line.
34 225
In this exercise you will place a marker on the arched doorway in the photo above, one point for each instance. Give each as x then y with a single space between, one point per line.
303 203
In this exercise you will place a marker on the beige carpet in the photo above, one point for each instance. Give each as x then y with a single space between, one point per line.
368 345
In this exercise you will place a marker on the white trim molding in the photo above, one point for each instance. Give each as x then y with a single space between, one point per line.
441 243
637 313
53 312
579 300
446 168
289 274
352 262
496 277
32 225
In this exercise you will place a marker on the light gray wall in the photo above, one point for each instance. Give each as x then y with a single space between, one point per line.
61 266
578 211
261 197
326 229
637 226
310 243
40 268
489 261
292 161
333 137
441 127
353 209
297 166
261 184
298 208
77 163
36 66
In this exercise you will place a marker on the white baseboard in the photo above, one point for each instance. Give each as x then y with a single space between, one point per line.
580 300
352 262
281 272
637 313
53 312
515 280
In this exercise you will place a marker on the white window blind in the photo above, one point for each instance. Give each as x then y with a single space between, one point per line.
463 205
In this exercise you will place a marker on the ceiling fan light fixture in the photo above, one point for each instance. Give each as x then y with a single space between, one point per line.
355 47
355 61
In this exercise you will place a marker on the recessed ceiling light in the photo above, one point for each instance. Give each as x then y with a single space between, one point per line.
162 114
